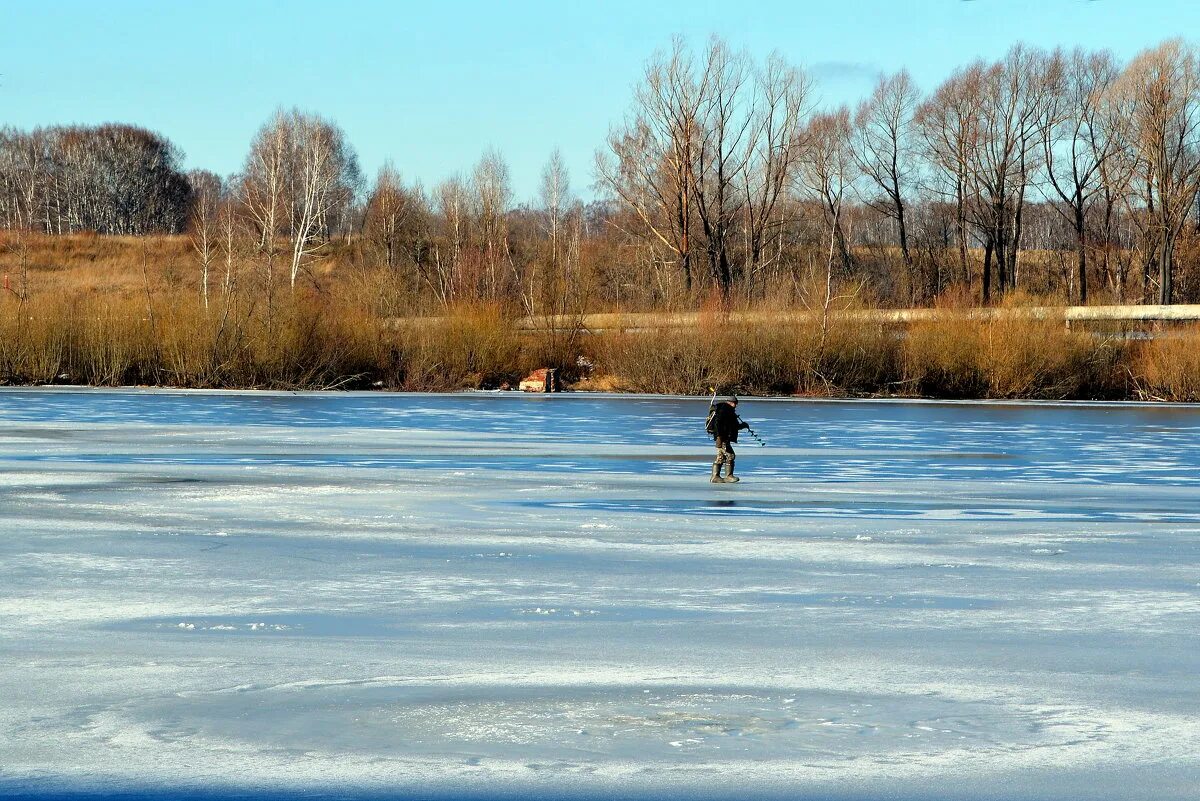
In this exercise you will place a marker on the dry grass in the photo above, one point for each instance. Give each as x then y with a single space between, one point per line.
312 341
90 264
1012 357
469 347
172 341
754 358
1168 368
112 311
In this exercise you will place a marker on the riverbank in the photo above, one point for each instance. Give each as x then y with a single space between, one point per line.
309 341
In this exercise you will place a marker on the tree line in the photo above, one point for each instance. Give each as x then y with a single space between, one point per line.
724 158
1060 173
111 179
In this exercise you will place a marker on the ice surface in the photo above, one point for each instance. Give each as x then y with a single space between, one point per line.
544 596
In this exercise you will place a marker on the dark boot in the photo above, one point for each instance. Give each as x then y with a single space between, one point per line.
730 478
716 476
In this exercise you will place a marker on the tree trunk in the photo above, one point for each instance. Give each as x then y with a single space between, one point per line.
999 245
1015 249
725 272
843 247
987 271
685 248
908 259
1166 264
1148 265
1081 239
962 236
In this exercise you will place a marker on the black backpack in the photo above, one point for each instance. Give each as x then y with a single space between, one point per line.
710 422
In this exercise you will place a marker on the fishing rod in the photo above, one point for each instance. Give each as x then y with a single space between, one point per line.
752 433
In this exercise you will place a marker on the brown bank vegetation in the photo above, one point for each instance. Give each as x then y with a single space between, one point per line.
141 329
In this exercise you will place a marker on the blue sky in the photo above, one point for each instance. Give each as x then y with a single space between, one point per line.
430 85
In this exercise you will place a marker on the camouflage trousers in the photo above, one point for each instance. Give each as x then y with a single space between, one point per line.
725 454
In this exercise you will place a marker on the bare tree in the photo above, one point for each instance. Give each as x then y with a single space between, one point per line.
1012 97
1077 143
556 200
1158 96
726 119
774 148
827 170
25 177
265 183
948 124
491 200
111 179
206 200
561 220
453 210
885 151
705 157
323 177
649 163
231 228
300 174
389 208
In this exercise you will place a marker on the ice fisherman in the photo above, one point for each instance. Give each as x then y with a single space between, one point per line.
724 424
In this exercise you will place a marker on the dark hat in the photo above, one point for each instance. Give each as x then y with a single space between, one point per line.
731 399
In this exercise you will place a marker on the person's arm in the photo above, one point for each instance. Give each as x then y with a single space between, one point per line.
742 424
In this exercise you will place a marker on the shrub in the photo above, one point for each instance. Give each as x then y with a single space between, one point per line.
1011 356
471 346
1168 367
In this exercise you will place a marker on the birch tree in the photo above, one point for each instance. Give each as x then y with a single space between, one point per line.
205 222
231 229
563 227
452 205
265 184
111 179
556 199
300 173
492 198
323 177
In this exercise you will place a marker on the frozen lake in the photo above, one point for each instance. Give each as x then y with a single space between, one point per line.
494 595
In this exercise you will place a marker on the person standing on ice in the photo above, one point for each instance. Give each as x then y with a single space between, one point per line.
724 424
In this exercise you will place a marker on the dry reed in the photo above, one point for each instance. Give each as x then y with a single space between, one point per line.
91 317
1168 367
